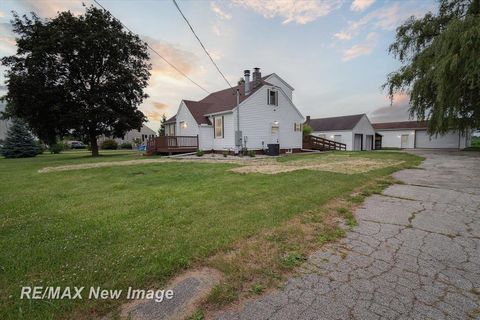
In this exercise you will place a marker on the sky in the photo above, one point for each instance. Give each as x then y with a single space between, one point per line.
333 52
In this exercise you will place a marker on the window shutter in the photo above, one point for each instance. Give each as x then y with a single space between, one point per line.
276 98
214 134
268 96
223 127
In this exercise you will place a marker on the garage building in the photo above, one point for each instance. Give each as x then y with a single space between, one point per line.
355 131
413 135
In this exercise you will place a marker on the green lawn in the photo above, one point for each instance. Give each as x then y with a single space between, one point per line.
139 225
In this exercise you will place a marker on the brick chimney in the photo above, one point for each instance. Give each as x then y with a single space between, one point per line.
257 77
308 120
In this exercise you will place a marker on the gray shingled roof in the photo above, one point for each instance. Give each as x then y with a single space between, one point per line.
335 123
400 125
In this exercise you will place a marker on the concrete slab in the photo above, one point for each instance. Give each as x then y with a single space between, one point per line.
415 254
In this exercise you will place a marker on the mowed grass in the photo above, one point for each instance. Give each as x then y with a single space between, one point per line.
139 225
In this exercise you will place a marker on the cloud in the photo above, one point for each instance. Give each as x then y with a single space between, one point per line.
356 51
298 11
216 29
385 18
160 106
361 49
396 111
153 115
7 39
182 59
219 12
52 7
342 35
360 5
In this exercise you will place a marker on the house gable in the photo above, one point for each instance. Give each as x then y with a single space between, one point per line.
186 124
275 80
364 125
257 119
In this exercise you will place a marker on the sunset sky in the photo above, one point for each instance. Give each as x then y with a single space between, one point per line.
333 52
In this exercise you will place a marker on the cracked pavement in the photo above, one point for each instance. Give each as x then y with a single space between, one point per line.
415 254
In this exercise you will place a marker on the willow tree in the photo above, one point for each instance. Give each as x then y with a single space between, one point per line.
440 56
76 74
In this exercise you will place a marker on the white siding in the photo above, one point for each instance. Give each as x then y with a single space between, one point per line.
276 81
393 138
144 134
449 140
184 114
257 118
205 137
228 140
347 137
364 127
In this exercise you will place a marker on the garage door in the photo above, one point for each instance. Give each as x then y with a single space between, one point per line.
357 142
423 140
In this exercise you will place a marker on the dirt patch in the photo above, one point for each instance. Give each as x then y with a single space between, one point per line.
264 165
347 166
100 165
106 164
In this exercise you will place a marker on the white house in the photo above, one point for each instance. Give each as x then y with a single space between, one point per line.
355 131
262 113
144 134
413 135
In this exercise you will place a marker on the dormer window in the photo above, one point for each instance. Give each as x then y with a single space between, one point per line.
272 97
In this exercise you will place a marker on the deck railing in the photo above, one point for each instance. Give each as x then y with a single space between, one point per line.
171 144
317 143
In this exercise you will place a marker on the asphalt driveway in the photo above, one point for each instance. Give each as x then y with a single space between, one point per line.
415 254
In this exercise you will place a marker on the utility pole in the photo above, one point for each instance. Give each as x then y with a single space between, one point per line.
238 133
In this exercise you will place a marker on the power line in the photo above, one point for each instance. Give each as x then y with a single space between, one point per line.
155 51
201 44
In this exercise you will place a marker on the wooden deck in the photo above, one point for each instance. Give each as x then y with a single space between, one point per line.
172 144
317 143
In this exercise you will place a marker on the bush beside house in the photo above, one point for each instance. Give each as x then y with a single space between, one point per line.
109 144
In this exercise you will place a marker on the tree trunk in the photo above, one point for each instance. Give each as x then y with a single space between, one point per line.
94 146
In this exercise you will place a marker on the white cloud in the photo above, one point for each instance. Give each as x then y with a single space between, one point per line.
219 12
342 35
52 7
398 110
361 49
360 5
385 18
298 11
7 39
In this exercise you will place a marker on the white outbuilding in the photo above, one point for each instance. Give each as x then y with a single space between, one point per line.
355 131
413 135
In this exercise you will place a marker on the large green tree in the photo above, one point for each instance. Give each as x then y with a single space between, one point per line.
440 56
82 75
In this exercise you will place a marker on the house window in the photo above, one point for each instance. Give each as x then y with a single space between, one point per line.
183 124
218 127
297 127
337 138
321 136
171 130
272 97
